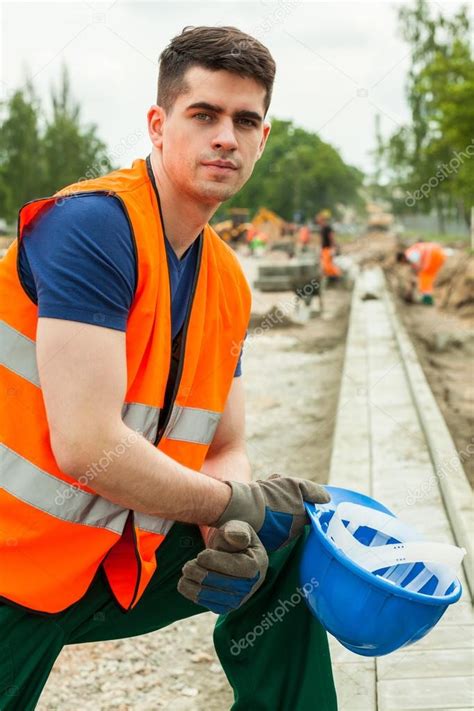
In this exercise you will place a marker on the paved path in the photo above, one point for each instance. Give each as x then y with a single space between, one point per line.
381 447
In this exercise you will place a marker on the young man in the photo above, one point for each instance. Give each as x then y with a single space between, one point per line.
126 499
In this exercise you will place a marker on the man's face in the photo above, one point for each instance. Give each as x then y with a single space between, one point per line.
213 135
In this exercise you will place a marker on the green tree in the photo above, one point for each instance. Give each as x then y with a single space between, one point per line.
449 81
71 152
21 159
42 151
440 94
298 172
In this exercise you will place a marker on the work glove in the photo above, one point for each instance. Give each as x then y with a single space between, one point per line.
273 507
228 571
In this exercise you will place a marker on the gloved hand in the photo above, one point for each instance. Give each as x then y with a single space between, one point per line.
228 571
273 507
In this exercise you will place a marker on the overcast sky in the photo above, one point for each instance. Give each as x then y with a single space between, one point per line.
338 63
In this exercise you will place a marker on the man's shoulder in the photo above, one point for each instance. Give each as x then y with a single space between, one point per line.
82 217
88 207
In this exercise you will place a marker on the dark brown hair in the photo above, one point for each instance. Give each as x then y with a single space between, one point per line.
213 48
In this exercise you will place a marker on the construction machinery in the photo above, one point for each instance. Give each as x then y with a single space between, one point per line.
238 228
235 229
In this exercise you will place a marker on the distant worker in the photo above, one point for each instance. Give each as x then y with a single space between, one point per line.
251 232
328 245
304 237
256 241
426 258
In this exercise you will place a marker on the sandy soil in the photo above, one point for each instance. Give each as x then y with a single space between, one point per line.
443 337
292 375
445 346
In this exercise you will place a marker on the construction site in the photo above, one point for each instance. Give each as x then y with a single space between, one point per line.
380 389
237 357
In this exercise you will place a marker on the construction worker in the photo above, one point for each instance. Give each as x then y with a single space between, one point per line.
426 259
126 499
304 237
328 246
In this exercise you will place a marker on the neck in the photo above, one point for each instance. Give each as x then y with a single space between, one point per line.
183 217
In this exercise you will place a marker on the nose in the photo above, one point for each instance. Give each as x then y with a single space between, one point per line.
224 138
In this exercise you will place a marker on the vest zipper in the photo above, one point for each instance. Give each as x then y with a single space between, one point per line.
182 349
182 346
180 361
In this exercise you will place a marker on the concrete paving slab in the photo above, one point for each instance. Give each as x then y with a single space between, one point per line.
444 636
425 664
341 655
381 448
442 694
461 613
355 687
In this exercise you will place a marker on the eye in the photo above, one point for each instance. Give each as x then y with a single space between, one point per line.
246 122
202 116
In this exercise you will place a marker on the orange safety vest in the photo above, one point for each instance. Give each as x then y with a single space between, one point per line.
55 532
327 265
427 259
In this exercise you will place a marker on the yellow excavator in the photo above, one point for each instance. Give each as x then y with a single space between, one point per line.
236 229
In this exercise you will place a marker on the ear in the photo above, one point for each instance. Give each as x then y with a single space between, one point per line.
266 131
156 117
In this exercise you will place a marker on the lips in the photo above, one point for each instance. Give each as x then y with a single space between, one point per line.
223 164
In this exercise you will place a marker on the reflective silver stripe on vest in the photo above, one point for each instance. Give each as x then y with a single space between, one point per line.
141 418
44 491
18 353
191 424
153 524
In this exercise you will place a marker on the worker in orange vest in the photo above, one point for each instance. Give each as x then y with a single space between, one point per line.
426 259
126 499
328 246
304 237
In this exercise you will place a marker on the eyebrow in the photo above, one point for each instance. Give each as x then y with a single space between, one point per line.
219 110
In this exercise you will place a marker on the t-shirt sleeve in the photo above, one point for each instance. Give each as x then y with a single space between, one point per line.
78 259
238 370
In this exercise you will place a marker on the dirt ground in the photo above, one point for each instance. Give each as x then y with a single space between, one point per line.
292 375
445 346
443 334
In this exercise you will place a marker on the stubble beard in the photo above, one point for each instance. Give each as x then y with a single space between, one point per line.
215 192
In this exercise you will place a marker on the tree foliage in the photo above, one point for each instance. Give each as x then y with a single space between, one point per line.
298 173
432 158
42 151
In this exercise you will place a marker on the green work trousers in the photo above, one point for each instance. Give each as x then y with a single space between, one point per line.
274 652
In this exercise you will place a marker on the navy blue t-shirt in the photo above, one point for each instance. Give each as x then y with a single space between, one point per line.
80 265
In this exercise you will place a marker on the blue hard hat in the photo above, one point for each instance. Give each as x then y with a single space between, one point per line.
372 581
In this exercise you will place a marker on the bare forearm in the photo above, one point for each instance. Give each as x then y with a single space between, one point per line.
228 464
139 476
